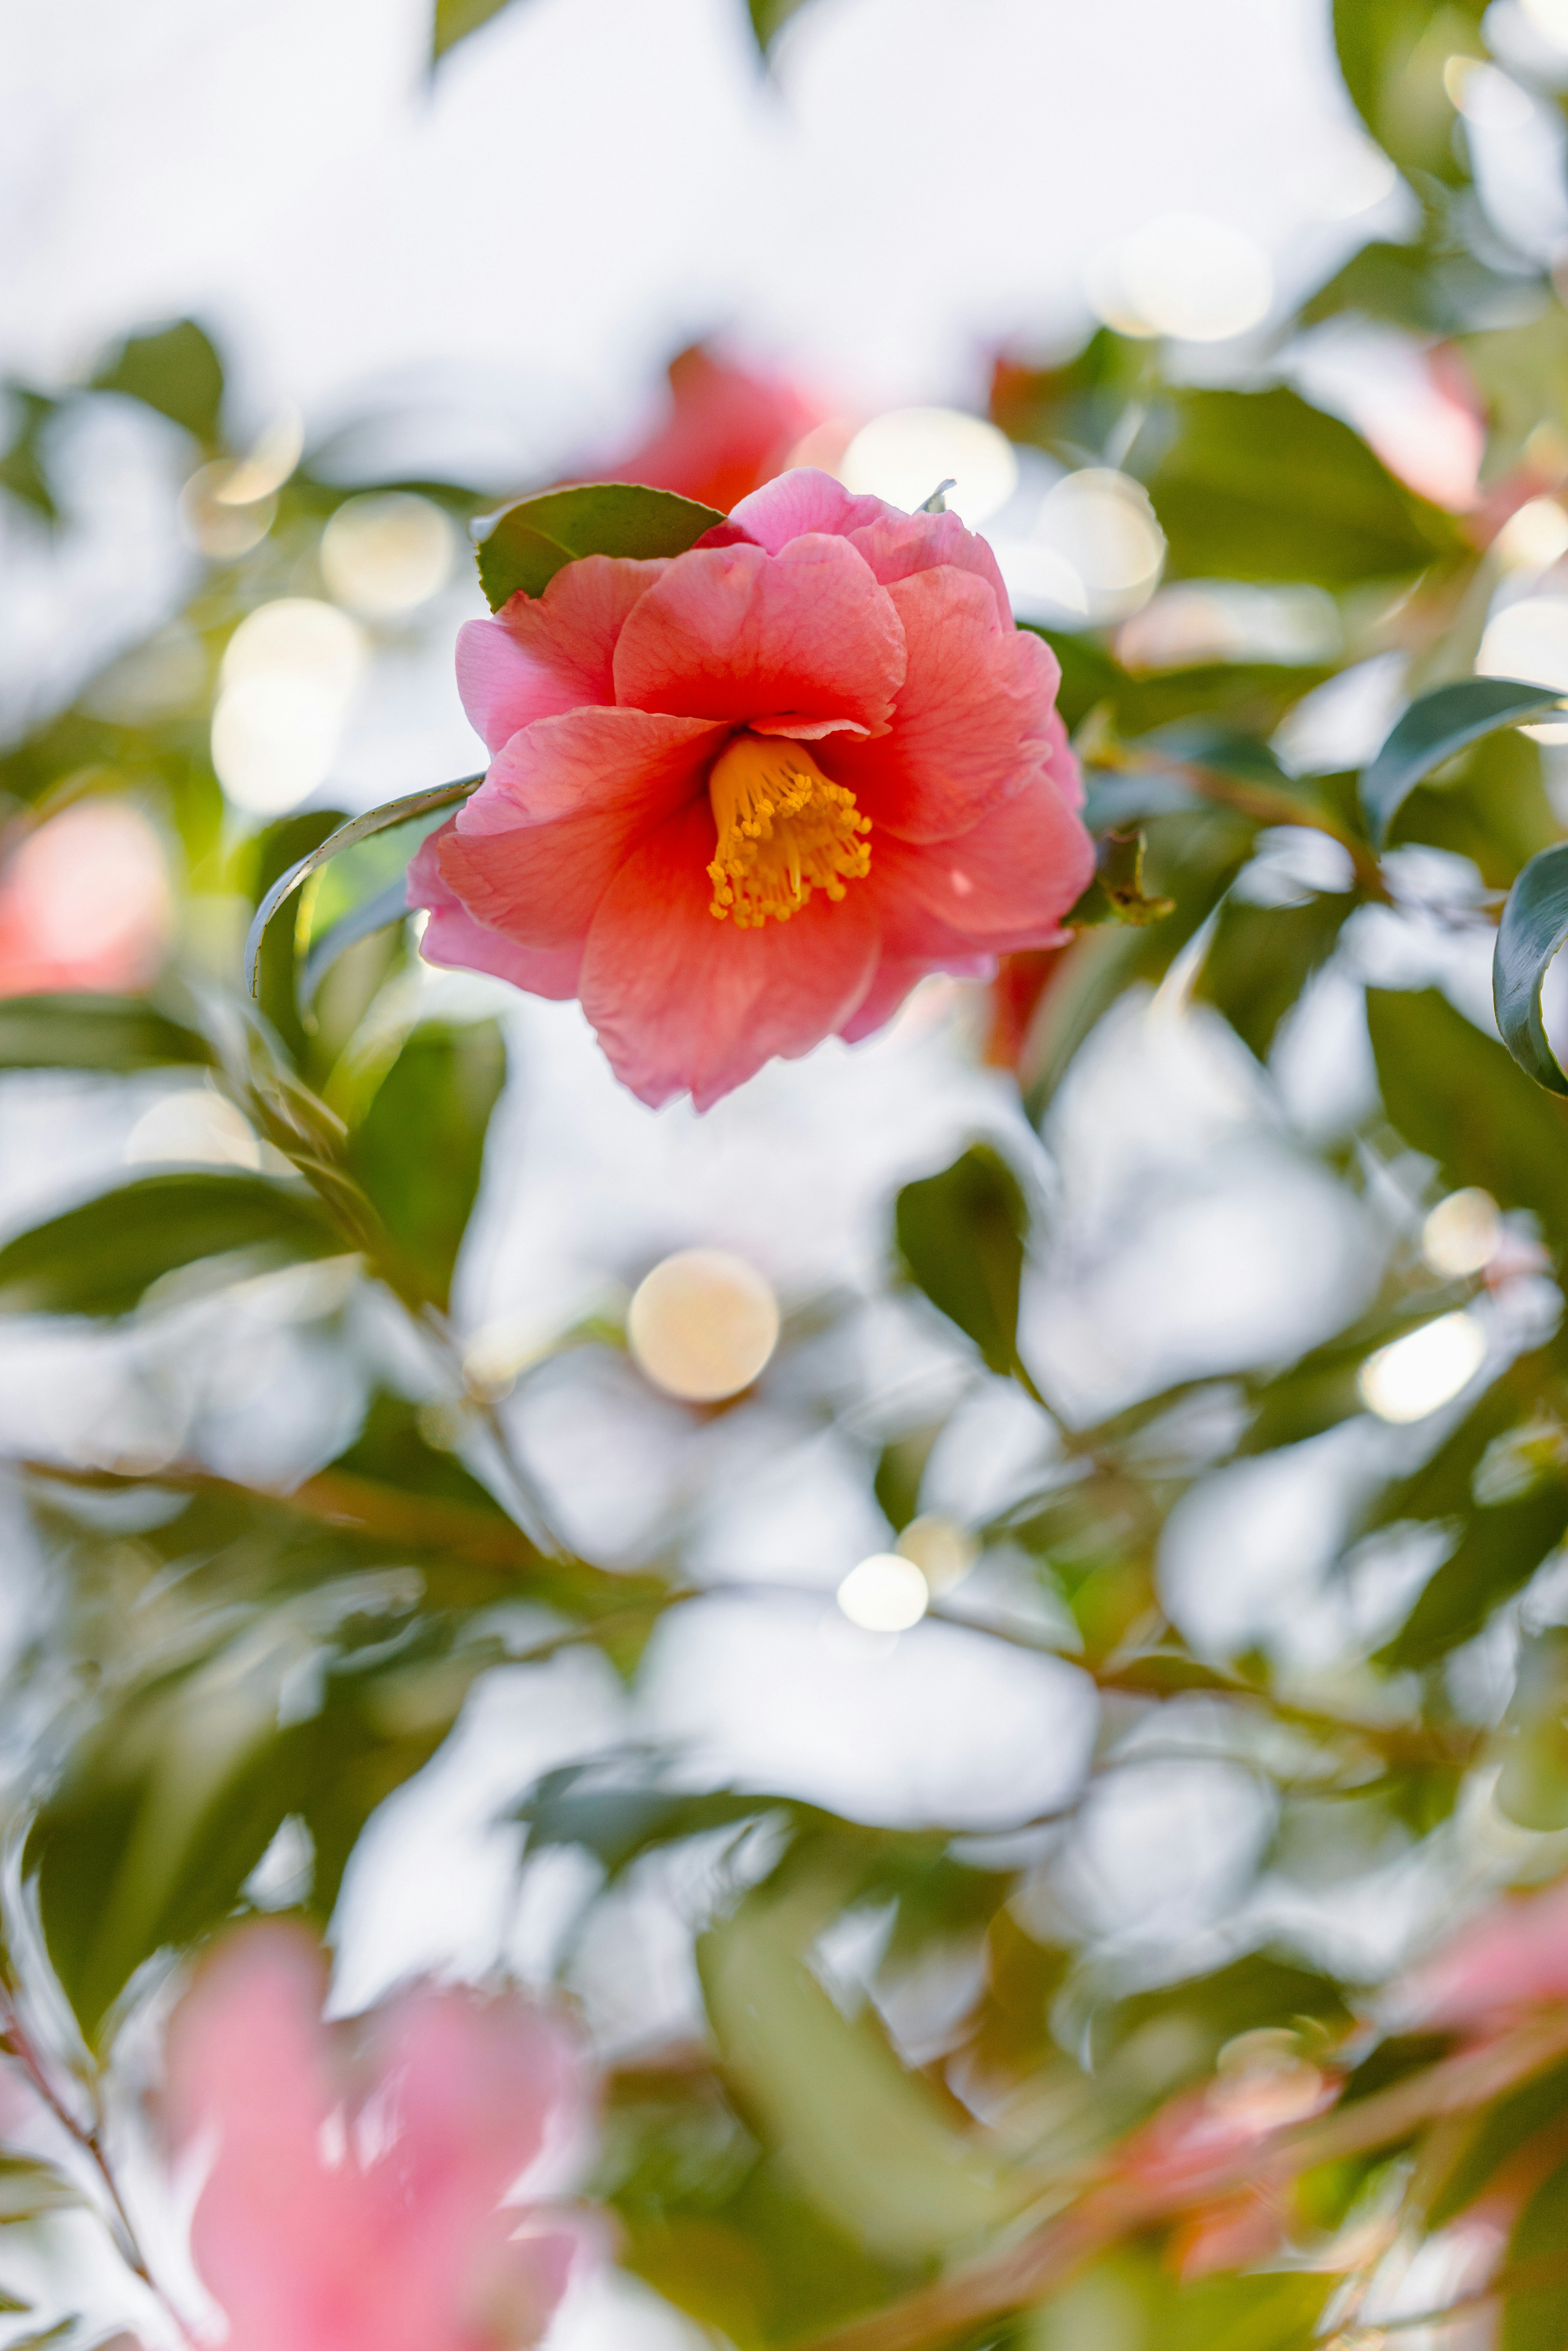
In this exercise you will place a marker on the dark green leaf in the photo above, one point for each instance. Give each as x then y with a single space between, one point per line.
94 1032
1456 1095
961 1234
98 1258
1259 485
1499 2131
1532 1786
1433 729
524 545
1432 292
456 19
1261 957
617 1824
22 468
174 369
1498 1553
1534 925
1276 2310
360 828
419 1148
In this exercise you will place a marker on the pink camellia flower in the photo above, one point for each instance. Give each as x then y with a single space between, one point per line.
1510 1958
84 903
729 429
353 2200
744 798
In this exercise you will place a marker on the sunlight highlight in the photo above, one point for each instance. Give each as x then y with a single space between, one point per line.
1425 1370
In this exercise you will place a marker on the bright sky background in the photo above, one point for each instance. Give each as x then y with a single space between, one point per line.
591 182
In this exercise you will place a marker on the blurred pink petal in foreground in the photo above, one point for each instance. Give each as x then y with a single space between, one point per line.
729 430
1513 1956
353 2201
84 903
745 799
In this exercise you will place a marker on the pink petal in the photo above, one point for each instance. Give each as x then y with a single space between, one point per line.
542 655
454 939
1003 886
683 1003
804 500
973 716
895 975
533 851
897 546
733 633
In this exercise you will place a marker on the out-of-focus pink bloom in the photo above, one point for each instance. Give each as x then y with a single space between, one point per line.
729 430
744 800
1188 2153
84 903
353 2201
1430 428
1513 1956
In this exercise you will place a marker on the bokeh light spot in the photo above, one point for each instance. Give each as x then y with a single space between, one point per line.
288 678
885 1593
1422 1371
703 1325
386 554
1184 275
1529 641
903 457
1533 537
940 1548
1462 1233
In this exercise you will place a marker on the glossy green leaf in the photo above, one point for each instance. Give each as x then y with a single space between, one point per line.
1433 729
100 1259
1436 1070
961 1234
1534 925
419 1151
456 19
1260 486
174 369
1261 958
524 545
95 1032
391 814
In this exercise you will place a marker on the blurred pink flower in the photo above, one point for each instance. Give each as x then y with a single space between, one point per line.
743 800
84 903
1514 1955
354 2197
729 430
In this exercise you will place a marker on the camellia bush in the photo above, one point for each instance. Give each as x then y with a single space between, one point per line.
756 771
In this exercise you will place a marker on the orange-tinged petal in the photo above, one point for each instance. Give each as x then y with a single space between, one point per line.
1004 884
541 655
797 638
458 941
972 718
683 1003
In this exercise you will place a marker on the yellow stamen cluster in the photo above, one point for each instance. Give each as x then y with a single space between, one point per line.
784 830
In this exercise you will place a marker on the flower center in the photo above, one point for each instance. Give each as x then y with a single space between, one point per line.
784 830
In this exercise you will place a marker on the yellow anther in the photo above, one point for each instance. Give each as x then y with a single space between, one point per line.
784 830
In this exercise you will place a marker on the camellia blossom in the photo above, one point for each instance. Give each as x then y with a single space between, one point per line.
1510 1958
84 903
353 2198
729 429
743 799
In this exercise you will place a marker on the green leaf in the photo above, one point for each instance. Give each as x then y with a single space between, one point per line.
1433 729
1498 1553
28 2187
1276 2311
21 469
618 1823
1116 893
1534 925
360 828
100 1258
524 545
1392 54
1535 2316
1261 958
95 1032
1532 1786
1457 1096
174 369
1260 486
865 2140
961 1234
419 1150
768 18
456 19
